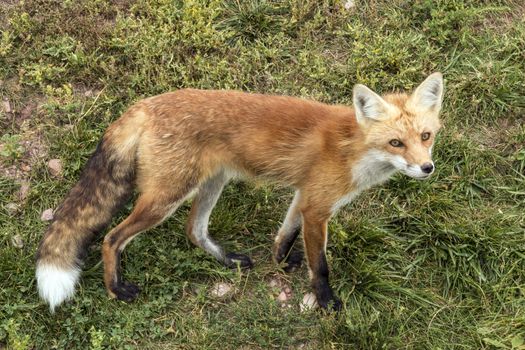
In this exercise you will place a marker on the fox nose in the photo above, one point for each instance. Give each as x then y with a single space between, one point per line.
427 168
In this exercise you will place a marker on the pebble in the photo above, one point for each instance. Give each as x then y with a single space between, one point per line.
309 302
282 297
17 241
55 167
7 106
23 191
47 215
349 4
275 283
12 208
220 289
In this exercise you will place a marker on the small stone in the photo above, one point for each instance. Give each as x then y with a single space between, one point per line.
220 289
7 106
349 4
55 167
275 283
288 291
309 302
12 208
17 241
47 215
282 297
23 191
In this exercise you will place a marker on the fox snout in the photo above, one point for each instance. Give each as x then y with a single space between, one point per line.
418 161
417 171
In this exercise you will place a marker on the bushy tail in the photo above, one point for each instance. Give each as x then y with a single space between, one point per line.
104 186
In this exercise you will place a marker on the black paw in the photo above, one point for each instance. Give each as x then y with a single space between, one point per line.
126 291
293 261
335 305
326 297
330 305
235 259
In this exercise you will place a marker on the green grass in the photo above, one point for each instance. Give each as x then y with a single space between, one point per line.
419 265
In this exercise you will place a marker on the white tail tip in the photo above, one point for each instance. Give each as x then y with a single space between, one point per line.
56 284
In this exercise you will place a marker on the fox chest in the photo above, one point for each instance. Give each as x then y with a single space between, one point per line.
366 173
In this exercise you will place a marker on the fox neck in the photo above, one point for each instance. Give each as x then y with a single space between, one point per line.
371 169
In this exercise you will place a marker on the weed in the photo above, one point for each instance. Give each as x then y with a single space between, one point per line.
11 148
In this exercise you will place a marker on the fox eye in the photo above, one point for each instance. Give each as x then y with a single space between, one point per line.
425 136
396 143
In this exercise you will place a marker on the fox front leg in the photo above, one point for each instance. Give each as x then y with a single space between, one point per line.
315 229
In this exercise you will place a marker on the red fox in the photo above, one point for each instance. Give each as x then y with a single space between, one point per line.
190 143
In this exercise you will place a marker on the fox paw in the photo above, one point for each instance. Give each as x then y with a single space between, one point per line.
234 259
293 261
326 298
126 291
335 305
331 305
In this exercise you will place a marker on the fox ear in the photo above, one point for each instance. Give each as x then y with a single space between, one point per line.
429 94
368 105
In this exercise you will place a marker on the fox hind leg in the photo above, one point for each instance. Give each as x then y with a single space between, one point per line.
285 247
149 211
197 225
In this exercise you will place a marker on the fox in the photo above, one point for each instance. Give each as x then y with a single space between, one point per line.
188 144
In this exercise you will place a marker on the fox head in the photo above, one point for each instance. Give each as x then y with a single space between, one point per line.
400 128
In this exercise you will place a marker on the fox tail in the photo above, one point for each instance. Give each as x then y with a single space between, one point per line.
104 186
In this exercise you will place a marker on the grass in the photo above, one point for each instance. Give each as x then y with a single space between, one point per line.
419 265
